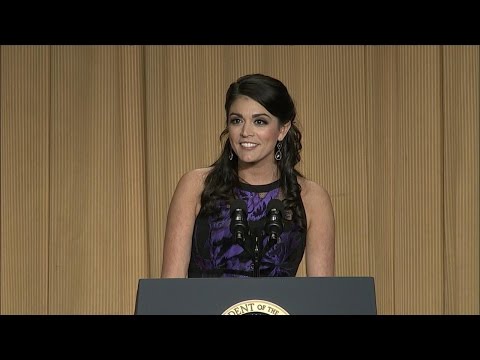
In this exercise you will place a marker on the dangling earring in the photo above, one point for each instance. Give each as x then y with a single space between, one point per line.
230 157
278 153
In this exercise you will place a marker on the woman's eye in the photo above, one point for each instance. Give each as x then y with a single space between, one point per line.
260 122
235 121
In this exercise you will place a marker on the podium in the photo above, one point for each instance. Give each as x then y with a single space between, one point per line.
257 296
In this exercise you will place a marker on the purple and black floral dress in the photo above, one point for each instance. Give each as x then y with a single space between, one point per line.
216 252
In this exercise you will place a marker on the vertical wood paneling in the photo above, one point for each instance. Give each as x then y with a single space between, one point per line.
98 217
333 119
24 187
381 114
157 152
418 201
461 188
85 210
241 60
133 242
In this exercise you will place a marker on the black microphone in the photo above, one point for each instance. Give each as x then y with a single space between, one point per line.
274 221
238 223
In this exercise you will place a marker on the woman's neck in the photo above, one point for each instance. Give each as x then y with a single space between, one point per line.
258 176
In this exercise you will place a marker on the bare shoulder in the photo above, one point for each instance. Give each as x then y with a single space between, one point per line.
194 179
190 186
313 192
188 192
316 201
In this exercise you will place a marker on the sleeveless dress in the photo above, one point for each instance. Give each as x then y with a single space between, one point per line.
216 253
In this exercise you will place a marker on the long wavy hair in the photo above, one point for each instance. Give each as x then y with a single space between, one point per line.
273 96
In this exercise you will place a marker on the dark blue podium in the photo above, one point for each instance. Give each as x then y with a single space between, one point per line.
257 296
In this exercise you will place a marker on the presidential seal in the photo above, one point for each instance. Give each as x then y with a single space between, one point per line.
255 307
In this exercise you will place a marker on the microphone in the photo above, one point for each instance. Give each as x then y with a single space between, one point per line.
238 223
274 222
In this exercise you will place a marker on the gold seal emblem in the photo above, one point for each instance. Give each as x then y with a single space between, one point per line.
255 307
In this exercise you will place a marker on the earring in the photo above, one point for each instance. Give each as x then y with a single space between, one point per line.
278 153
230 157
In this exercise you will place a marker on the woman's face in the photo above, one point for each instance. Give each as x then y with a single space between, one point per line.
253 132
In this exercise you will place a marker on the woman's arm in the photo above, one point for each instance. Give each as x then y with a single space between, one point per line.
184 207
320 249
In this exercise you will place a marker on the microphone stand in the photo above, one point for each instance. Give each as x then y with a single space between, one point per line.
256 244
258 249
257 254
245 240
256 259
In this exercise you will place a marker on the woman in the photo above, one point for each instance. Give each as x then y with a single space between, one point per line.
256 166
